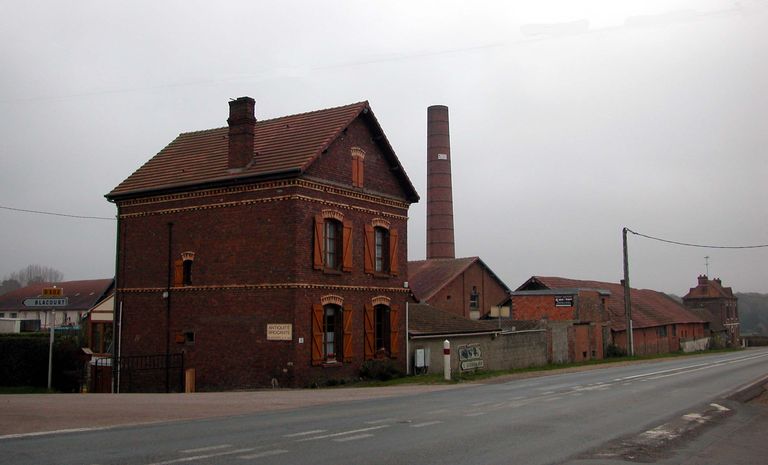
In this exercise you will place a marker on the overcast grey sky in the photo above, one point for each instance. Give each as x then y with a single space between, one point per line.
569 119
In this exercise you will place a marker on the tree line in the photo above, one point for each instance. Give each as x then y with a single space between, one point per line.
31 274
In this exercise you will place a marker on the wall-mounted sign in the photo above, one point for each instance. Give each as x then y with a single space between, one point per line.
280 332
442 156
563 301
53 302
471 357
53 291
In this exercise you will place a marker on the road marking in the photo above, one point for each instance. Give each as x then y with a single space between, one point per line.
475 414
480 404
546 393
343 433
435 412
720 408
377 422
205 449
202 457
353 438
266 453
426 423
305 433
45 433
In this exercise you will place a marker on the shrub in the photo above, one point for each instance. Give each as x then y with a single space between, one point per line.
381 370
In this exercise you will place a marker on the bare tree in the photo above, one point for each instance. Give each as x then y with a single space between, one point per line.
35 274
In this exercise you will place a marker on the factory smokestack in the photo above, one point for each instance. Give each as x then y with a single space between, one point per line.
440 242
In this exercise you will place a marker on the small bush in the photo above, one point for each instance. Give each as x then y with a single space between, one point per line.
614 351
380 370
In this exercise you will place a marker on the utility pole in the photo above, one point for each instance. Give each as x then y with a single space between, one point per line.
627 298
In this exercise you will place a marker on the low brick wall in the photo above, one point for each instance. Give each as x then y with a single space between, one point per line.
504 351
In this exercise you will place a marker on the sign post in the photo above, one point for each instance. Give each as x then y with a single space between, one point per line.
51 297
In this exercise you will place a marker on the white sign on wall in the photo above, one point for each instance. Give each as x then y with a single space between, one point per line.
280 332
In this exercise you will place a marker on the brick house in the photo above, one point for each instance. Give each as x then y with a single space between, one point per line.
267 251
576 317
660 324
716 304
462 286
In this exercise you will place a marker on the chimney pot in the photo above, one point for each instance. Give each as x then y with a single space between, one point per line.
242 126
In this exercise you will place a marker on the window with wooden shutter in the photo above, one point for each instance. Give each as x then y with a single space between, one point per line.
178 273
317 261
346 346
393 242
394 331
369 332
346 254
369 249
317 334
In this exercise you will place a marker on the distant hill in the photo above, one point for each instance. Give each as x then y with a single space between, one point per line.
753 313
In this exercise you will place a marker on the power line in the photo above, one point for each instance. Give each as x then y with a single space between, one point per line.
38 212
686 244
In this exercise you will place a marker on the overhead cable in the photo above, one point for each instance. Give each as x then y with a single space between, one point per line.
686 244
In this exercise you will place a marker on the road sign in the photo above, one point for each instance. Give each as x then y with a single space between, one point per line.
46 302
53 291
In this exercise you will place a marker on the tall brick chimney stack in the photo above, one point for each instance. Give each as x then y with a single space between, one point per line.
242 124
440 242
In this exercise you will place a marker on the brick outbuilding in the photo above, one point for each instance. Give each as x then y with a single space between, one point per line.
716 303
267 251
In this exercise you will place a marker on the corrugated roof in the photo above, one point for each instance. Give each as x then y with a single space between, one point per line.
282 146
649 308
427 277
425 319
82 295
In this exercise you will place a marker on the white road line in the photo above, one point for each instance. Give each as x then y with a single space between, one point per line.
266 453
343 433
353 438
202 457
435 412
480 404
720 407
45 433
426 423
205 449
475 414
305 433
546 393
377 422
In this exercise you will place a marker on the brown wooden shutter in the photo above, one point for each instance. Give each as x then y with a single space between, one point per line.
370 249
318 249
355 172
178 273
317 334
393 242
370 334
346 254
360 165
347 343
394 331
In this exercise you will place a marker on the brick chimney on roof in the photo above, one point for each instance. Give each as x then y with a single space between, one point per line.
242 124
703 280
440 243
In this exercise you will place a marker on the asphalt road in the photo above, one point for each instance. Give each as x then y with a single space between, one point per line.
585 417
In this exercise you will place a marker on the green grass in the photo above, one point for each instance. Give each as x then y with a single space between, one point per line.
23 390
472 376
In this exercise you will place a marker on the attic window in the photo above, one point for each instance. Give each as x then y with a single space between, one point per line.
358 158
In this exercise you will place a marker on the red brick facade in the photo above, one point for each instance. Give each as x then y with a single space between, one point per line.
256 246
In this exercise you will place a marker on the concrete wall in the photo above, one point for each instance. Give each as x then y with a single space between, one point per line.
506 351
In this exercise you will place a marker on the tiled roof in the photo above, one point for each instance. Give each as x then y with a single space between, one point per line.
649 308
282 147
425 319
713 289
82 295
427 277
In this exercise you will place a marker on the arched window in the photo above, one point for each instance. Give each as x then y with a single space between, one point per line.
381 243
382 329
332 333
332 244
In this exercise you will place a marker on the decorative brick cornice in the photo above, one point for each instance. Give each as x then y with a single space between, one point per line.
239 203
247 287
264 186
